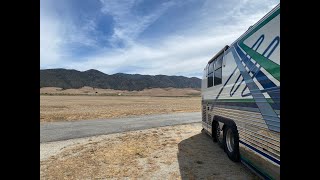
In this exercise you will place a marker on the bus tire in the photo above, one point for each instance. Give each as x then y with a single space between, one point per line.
231 143
215 130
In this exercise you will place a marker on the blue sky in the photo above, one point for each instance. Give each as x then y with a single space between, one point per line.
174 37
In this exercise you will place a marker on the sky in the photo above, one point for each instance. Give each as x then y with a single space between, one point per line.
169 37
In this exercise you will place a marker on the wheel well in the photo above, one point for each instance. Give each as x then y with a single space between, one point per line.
225 121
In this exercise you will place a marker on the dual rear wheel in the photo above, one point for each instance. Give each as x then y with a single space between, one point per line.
230 141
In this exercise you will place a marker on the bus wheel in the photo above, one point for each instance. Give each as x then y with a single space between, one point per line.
215 131
231 143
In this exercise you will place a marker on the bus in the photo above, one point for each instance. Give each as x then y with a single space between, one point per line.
240 97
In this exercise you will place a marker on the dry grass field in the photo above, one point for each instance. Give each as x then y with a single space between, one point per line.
80 107
172 152
160 92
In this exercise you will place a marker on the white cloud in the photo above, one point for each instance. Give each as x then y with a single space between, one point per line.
176 55
50 41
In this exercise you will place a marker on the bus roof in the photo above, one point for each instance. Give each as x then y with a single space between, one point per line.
218 54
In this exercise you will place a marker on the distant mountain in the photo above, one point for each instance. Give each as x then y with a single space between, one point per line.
65 78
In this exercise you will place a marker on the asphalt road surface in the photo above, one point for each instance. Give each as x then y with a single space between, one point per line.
57 131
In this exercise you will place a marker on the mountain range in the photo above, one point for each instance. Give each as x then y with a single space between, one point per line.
69 78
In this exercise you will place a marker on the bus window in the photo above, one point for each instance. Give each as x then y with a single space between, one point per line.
218 71
210 75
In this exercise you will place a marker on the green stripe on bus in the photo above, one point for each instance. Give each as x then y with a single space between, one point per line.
270 66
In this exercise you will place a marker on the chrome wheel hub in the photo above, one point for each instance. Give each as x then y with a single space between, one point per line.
230 140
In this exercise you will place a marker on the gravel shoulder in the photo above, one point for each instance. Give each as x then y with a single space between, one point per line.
171 152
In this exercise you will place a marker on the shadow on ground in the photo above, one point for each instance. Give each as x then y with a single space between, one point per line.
200 158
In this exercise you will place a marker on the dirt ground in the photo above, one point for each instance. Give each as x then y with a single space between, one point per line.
172 152
70 108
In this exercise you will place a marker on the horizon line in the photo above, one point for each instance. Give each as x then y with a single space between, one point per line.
119 72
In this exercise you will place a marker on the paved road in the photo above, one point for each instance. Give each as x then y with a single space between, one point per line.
69 130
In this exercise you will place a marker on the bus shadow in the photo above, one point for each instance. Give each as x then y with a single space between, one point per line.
200 158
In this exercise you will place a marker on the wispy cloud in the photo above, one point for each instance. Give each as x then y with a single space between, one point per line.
50 40
128 25
58 31
176 55
183 52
